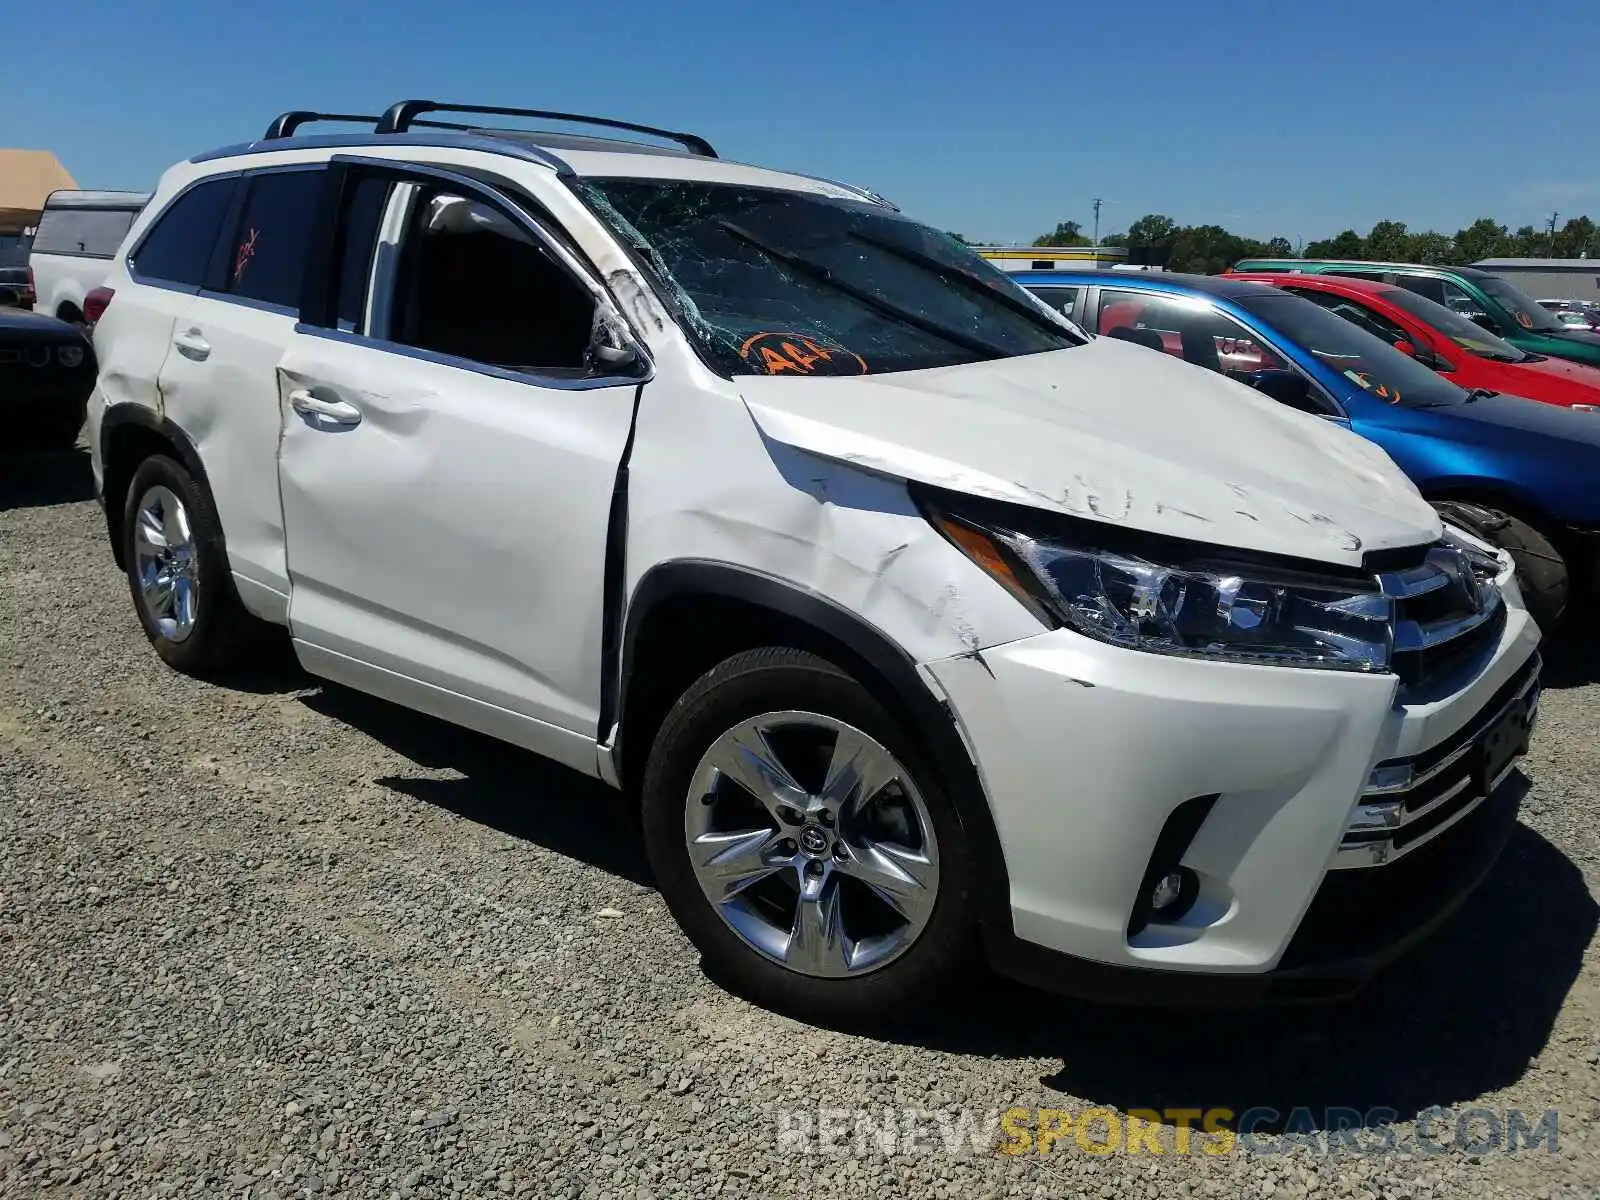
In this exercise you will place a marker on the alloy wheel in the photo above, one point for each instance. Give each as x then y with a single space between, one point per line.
167 563
812 843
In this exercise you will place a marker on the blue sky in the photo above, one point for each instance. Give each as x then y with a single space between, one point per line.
1292 118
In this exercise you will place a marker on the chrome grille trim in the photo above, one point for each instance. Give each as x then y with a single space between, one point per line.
1377 831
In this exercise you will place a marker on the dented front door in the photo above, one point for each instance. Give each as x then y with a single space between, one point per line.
449 525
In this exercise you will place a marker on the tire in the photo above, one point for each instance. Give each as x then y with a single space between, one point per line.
900 956
1542 572
219 634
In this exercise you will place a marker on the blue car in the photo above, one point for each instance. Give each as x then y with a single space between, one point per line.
1523 475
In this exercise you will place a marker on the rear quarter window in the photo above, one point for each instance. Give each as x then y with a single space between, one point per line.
178 246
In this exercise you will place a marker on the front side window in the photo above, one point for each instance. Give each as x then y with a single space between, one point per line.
178 247
1365 360
362 214
785 283
268 258
83 232
475 284
1188 328
1357 314
1460 329
1525 312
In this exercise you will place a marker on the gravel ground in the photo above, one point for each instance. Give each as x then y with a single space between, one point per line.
277 939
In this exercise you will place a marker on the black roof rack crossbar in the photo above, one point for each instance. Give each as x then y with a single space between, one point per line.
285 125
403 115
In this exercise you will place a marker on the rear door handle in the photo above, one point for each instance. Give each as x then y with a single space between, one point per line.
334 412
192 344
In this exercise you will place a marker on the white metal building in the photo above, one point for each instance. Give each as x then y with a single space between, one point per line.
1549 278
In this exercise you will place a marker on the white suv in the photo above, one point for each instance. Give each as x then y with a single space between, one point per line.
921 625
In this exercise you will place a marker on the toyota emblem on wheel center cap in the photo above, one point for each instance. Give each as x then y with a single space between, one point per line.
813 840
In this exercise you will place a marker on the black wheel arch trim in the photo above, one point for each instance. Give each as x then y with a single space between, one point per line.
120 416
934 724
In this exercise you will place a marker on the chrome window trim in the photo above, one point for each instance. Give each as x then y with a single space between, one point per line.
532 378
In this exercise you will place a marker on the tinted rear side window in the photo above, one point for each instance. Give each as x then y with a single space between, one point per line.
268 256
1430 289
85 232
179 245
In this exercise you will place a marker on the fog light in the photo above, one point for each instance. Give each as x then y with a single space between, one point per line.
1172 895
1167 890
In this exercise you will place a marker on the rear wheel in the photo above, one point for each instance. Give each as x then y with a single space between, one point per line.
178 572
803 845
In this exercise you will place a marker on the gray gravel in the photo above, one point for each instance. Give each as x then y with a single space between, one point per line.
276 939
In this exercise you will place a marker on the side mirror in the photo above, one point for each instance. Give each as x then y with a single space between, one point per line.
1286 387
612 350
615 357
9 297
1423 355
1484 321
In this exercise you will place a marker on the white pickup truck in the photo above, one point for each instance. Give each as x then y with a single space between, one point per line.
78 234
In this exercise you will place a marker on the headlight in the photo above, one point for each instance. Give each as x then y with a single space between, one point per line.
1189 606
70 356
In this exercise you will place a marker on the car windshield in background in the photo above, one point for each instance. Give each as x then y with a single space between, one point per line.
1526 312
1365 360
1467 334
772 282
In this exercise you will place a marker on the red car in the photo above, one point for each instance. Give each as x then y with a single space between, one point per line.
1460 350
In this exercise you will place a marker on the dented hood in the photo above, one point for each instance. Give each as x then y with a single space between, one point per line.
1115 433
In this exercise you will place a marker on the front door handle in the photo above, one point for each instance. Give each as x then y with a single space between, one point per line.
334 412
192 344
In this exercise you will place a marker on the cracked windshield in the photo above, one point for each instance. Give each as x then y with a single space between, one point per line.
792 284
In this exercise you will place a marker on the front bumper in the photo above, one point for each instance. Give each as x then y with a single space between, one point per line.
1085 752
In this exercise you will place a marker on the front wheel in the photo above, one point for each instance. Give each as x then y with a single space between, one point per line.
803 845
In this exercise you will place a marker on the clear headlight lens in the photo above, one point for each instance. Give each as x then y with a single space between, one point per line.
1200 610
70 356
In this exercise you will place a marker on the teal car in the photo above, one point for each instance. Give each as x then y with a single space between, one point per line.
1487 299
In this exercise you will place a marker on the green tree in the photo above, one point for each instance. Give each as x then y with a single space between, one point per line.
1348 244
1208 249
1152 229
1067 233
1388 242
1484 238
956 237
1577 239
1528 242
1431 247
1280 247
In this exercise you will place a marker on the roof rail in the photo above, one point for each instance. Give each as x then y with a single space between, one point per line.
285 124
400 117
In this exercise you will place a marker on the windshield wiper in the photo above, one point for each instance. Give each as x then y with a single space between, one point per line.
957 276
822 274
1479 394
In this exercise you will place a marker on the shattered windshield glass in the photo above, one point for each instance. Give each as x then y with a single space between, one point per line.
773 282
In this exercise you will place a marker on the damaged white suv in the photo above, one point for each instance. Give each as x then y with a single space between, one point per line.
922 626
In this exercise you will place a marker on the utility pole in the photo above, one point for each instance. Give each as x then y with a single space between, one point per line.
1553 217
1098 202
